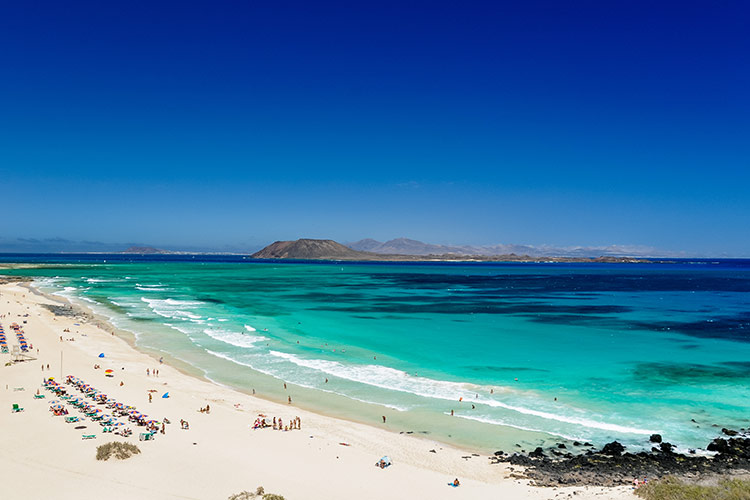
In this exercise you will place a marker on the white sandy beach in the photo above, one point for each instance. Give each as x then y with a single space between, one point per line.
41 456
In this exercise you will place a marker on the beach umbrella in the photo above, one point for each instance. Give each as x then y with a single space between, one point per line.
108 371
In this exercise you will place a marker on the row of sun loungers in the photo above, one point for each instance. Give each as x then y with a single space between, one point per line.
3 341
89 404
21 337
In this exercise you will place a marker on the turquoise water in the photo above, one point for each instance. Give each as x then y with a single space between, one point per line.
534 352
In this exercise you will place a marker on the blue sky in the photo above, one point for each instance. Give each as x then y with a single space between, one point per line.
233 124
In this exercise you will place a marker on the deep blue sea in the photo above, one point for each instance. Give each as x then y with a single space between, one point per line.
521 353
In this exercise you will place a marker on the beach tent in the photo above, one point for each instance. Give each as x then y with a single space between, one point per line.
101 354
165 395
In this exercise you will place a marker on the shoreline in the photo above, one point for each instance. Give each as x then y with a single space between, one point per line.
336 405
289 463
188 370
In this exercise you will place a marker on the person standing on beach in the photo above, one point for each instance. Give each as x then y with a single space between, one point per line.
383 418
149 397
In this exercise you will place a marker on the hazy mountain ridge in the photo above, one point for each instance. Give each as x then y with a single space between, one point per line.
406 246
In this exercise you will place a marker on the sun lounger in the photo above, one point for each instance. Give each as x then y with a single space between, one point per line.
16 408
72 420
38 396
88 436
146 436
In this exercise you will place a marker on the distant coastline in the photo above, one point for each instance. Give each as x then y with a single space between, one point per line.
312 249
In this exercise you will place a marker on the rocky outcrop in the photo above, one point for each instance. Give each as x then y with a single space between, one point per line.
613 465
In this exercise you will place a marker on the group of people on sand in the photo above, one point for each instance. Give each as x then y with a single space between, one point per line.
207 409
184 425
153 372
278 423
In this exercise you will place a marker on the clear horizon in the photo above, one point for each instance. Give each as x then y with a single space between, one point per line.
231 126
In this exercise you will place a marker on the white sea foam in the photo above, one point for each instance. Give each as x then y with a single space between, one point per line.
301 384
397 380
585 422
233 360
486 420
174 309
250 328
234 338
384 377
151 289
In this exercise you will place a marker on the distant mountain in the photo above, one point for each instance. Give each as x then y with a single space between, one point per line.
146 250
406 246
309 249
366 245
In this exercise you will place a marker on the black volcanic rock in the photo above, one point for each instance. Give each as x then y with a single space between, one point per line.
537 453
614 449
719 445
729 432
611 467
655 438
666 447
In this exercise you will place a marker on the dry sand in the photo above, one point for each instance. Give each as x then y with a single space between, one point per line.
43 457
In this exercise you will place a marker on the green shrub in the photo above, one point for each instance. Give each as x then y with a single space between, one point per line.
673 489
242 495
117 449
259 493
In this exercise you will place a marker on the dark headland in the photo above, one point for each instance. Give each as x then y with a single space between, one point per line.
313 249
